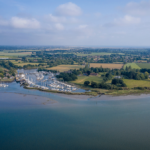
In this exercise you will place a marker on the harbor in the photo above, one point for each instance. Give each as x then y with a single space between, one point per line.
43 80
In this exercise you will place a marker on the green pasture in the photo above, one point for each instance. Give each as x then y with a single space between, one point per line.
133 66
136 83
96 54
15 54
144 65
82 79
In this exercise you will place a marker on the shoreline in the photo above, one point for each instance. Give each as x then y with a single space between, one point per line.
87 97
83 96
95 93
103 97
7 80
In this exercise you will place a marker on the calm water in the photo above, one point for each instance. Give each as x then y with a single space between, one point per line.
71 124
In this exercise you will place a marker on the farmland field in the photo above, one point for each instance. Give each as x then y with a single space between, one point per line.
144 65
63 68
22 64
111 66
96 54
137 83
82 79
133 66
9 57
15 54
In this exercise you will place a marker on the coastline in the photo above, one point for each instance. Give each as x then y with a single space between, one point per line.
95 93
7 80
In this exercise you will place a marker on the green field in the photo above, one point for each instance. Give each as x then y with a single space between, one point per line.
20 63
15 54
1 68
96 54
133 66
9 57
82 79
137 83
23 50
144 65
62 68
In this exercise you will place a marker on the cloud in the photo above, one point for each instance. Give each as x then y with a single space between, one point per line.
23 23
59 26
141 8
127 20
68 9
53 18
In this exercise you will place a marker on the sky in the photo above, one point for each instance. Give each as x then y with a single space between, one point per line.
121 23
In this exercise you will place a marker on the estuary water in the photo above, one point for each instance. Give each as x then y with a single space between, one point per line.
35 120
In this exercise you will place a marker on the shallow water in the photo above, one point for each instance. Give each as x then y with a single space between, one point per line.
27 124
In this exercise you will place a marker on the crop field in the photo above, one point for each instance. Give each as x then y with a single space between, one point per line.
96 54
111 66
15 54
63 68
22 64
82 79
144 65
137 83
133 66
8 57
16 62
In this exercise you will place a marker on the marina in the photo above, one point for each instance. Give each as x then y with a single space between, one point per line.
43 80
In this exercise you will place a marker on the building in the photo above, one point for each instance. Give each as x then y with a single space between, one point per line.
93 74
117 77
85 74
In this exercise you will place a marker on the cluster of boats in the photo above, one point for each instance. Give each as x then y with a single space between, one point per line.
3 85
39 76
60 86
45 81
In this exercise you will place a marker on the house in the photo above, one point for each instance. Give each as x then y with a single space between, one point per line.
11 77
149 76
85 74
93 74
117 77
5 78
7 74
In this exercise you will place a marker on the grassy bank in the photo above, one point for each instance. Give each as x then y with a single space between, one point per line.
7 80
92 93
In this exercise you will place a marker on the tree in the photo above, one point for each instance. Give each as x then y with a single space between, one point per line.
1 75
88 72
115 81
86 83
146 74
94 85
